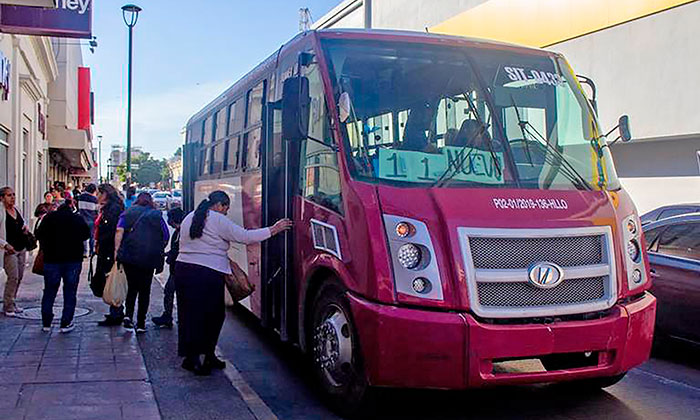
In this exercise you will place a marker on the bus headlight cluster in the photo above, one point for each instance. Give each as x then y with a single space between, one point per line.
413 259
633 250
409 256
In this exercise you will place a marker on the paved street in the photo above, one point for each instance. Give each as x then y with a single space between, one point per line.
110 373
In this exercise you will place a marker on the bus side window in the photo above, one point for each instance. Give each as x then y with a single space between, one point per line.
207 153
217 162
208 132
244 152
320 176
253 159
232 160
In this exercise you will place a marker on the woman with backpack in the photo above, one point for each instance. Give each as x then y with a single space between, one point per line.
201 265
140 243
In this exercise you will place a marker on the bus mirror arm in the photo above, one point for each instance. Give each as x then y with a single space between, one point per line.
295 108
623 125
594 93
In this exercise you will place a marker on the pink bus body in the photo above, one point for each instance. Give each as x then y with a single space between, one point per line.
336 285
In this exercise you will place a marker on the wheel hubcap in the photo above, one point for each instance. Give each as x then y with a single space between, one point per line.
333 346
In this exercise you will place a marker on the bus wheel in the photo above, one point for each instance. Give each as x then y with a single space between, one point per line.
337 361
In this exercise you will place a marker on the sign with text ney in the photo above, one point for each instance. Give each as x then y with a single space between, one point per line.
70 19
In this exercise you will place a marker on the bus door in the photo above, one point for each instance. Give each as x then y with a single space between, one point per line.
279 171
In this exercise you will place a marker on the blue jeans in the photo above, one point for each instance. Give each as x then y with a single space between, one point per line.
53 274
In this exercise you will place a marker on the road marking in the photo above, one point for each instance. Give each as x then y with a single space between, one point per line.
664 380
255 404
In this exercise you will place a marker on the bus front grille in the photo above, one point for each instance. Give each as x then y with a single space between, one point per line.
508 294
497 263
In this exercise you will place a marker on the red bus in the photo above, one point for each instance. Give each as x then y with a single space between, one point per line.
458 219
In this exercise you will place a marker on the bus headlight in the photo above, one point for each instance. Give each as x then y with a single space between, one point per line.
409 256
636 272
633 250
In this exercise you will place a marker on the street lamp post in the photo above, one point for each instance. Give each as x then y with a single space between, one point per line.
99 157
130 13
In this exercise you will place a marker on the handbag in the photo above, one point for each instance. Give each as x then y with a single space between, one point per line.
116 287
38 266
99 275
30 241
237 283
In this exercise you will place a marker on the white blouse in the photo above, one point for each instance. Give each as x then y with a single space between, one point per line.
211 249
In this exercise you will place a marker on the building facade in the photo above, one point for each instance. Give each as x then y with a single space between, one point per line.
28 67
69 124
641 54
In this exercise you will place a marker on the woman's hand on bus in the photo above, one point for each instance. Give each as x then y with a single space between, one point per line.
281 226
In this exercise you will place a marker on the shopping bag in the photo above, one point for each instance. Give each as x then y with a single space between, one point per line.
116 287
38 266
237 283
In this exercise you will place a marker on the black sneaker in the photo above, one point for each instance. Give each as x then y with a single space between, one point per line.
162 321
214 362
67 328
196 367
128 323
140 329
110 321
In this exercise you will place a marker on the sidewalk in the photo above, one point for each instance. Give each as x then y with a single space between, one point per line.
92 372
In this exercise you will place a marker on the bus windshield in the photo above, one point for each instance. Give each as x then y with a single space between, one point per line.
435 116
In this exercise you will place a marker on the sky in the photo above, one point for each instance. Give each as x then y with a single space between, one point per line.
186 52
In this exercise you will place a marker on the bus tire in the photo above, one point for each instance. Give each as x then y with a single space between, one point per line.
335 352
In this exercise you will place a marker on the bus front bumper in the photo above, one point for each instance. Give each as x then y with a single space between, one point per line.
405 347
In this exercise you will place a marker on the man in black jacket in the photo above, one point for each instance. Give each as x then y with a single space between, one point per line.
61 234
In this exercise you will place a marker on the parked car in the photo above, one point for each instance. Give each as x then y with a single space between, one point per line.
176 200
669 211
162 200
673 246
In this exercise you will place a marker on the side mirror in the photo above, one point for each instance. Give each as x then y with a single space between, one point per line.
625 131
295 108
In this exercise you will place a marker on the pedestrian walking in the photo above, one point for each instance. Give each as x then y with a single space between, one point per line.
15 245
130 197
87 207
46 207
199 277
62 235
140 243
175 217
111 208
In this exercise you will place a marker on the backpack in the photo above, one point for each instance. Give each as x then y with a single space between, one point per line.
143 242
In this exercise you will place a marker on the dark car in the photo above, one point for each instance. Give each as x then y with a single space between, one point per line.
673 246
669 211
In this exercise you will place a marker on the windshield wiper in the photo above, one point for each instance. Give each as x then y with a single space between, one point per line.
528 128
462 157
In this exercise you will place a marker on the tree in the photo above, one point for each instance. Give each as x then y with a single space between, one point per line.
121 172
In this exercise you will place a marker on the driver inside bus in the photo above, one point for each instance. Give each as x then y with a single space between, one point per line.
416 135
